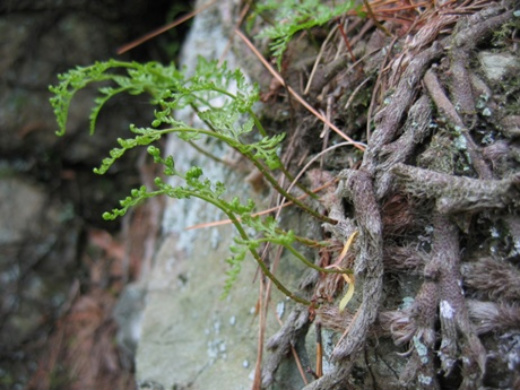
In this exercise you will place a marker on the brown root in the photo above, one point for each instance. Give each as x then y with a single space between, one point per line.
414 200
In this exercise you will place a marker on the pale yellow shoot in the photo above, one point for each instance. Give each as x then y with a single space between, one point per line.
348 278
347 246
350 292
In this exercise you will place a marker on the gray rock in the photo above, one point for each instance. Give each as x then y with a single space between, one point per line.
33 262
21 202
191 338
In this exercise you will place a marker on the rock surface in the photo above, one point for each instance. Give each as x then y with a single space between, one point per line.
190 337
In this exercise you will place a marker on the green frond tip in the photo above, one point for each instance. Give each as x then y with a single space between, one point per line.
123 77
109 216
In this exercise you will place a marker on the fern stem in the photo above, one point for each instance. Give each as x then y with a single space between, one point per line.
288 196
302 258
258 124
209 133
207 154
310 243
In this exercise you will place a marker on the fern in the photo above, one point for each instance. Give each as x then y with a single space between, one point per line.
224 101
293 16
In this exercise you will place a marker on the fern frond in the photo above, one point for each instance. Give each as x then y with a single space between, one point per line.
224 100
293 16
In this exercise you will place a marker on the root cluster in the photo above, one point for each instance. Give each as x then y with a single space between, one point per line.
432 200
